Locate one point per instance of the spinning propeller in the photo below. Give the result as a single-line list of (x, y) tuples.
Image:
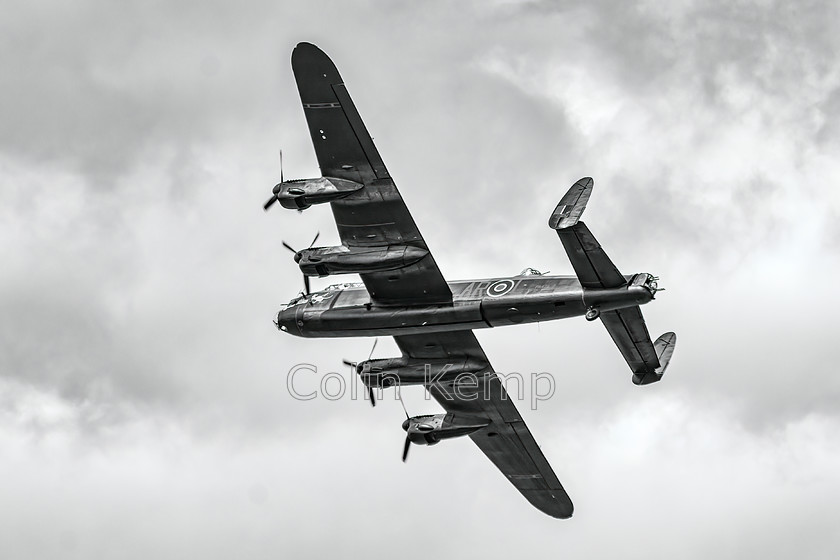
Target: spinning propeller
[(297, 258), (353, 365)]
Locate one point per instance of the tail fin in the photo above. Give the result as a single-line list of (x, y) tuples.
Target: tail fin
[(571, 206)]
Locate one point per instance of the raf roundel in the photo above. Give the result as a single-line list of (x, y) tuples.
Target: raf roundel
[(499, 288)]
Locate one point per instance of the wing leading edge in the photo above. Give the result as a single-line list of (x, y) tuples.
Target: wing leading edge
[(506, 441), (374, 216)]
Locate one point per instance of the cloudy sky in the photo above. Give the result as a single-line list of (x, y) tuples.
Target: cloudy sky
[(144, 409)]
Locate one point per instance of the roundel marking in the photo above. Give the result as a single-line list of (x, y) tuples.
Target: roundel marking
[(499, 288)]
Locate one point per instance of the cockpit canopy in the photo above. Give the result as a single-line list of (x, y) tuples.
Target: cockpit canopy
[(531, 272), (322, 294), (296, 300)]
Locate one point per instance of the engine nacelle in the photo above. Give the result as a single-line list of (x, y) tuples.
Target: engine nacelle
[(432, 428), (303, 193), (323, 261), (387, 372)]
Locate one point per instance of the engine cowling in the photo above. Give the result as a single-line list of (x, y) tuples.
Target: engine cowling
[(387, 372), (432, 428), (303, 193), (323, 261)]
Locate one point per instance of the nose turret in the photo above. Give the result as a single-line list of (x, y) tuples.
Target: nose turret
[(287, 321)]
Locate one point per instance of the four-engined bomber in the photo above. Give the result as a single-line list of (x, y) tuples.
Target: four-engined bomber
[(403, 293)]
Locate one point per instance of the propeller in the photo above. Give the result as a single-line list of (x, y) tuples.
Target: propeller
[(407, 439), (347, 362), (269, 202), (297, 259), (405, 448), (273, 198)]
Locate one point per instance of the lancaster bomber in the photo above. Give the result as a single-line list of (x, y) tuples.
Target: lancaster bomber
[(403, 293)]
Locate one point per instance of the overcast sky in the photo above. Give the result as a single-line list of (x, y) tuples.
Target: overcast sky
[(144, 410)]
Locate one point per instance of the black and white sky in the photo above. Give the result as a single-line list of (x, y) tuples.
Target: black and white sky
[(144, 409)]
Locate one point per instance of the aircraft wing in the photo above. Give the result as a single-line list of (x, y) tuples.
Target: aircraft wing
[(374, 216), (507, 442)]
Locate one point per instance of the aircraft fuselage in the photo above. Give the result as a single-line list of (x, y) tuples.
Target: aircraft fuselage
[(476, 304)]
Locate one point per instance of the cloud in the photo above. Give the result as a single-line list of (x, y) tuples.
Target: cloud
[(690, 476)]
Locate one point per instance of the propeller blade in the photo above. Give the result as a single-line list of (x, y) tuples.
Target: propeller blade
[(289, 247), (399, 396), (306, 283), (281, 166), (405, 448), (317, 235), (269, 202), (354, 365)]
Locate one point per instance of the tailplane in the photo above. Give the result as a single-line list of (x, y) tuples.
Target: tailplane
[(596, 272), (664, 347), (647, 360), (593, 267)]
